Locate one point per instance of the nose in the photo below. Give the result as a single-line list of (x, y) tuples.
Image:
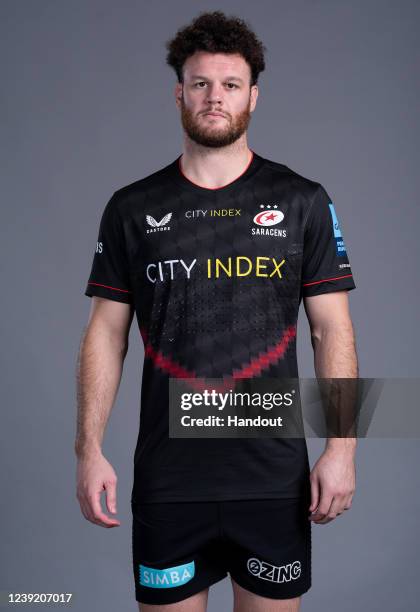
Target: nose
[(214, 94)]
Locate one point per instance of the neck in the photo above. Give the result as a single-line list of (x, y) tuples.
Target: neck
[(213, 168)]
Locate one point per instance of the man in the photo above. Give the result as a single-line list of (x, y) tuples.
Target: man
[(172, 248)]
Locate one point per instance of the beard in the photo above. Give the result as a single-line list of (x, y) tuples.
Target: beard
[(209, 136)]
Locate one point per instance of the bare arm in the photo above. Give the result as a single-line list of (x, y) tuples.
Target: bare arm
[(333, 341), (102, 352)]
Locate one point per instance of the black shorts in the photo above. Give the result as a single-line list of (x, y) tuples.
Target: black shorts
[(181, 548)]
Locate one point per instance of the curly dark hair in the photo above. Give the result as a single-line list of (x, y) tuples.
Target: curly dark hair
[(216, 33)]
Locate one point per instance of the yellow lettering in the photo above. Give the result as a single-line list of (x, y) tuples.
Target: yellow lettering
[(238, 270), (244, 267), (277, 267), (219, 264), (260, 266)]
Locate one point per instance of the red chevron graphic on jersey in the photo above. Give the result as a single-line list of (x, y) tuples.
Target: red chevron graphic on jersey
[(252, 369)]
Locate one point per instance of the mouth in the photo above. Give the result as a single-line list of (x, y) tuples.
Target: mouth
[(210, 114)]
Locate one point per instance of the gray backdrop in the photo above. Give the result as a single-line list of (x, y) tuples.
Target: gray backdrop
[(87, 107)]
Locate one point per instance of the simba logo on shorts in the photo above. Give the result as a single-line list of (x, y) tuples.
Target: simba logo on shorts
[(273, 573), (166, 578)]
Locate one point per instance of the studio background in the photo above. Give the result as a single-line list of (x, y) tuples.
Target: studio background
[(87, 107)]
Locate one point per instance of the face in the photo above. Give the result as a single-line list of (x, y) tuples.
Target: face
[(216, 99)]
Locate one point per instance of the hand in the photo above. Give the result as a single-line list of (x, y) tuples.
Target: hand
[(94, 475), (332, 485)]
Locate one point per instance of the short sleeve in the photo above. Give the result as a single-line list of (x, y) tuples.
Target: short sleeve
[(109, 276), (326, 266)]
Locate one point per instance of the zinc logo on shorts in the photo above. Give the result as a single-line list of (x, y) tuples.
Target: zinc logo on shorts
[(168, 577), (274, 573)]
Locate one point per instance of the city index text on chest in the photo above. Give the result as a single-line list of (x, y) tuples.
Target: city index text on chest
[(239, 266)]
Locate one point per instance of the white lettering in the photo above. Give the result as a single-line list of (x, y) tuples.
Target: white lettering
[(170, 262), (166, 269), (174, 577), (152, 280)]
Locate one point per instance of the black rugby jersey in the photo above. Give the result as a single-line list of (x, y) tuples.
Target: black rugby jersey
[(216, 277)]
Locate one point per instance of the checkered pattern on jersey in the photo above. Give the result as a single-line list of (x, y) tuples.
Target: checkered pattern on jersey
[(219, 326)]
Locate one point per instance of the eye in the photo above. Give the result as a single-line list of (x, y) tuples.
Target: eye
[(199, 83), (233, 85)]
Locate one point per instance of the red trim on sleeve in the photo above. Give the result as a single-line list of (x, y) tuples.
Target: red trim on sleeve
[(108, 287), (327, 279)]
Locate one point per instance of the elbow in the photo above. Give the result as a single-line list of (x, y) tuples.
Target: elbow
[(317, 334), (124, 349), (120, 343), (341, 330)]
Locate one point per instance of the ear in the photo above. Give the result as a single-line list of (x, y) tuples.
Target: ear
[(178, 94), (254, 97)]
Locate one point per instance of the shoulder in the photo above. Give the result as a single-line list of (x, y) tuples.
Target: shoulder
[(131, 194), (295, 182)]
